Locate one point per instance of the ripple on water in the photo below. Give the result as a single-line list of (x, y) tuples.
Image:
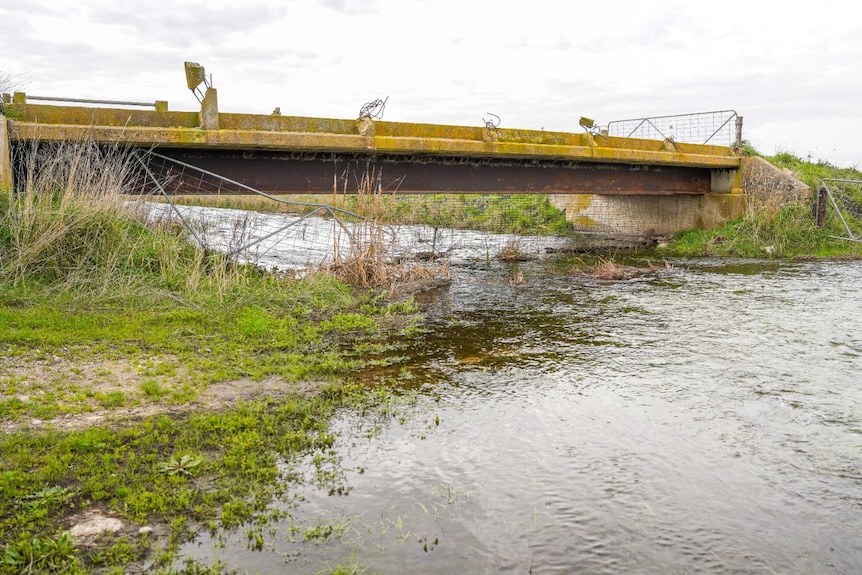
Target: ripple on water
[(705, 421)]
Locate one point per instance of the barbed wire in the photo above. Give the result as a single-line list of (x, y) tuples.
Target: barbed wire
[(493, 123), (373, 110)]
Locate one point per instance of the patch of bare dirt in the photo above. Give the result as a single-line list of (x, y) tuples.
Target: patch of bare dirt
[(79, 392)]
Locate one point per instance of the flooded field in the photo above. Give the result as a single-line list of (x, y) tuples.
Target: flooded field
[(705, 418)]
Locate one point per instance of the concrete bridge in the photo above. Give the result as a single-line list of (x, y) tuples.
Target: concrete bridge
[(607, 185)]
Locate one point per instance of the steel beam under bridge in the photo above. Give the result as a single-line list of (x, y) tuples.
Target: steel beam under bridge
[(303, 173)]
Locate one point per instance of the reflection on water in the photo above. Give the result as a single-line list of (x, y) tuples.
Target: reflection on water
[(706, 419)]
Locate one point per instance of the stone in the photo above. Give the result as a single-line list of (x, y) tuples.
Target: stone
[(95, 524)]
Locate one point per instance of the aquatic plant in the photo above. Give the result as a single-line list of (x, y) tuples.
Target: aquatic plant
[(368, 259)]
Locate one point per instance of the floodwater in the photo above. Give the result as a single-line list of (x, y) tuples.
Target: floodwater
[(700, 419), (292, 242)]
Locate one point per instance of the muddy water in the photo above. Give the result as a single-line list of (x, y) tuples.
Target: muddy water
[(705, 419)]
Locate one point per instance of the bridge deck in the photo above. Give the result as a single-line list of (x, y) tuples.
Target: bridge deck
[(290, 154)]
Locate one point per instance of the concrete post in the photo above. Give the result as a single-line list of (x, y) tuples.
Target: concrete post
[(209, 110), (366, 126), (5, 156)]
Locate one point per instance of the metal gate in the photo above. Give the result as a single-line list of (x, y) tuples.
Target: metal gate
[(720, 128), (839, 206)]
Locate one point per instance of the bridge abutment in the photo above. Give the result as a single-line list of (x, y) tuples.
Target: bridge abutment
[(630, 217), (756, 185)]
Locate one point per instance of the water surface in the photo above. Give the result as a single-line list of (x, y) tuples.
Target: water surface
[(702, 419)]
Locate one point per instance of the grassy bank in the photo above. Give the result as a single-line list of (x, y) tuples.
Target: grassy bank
[(526, 214), (147, 381), (775, 232)]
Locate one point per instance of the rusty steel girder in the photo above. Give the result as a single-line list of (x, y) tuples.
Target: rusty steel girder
[(304, 173)]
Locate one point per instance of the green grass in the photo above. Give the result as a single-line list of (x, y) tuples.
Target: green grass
[(811, 172), (101, 311), (153, 472), (787, 232), (526, 214)]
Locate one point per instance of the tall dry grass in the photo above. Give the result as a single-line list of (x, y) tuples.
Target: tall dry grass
[(368, 259), (69, 228)]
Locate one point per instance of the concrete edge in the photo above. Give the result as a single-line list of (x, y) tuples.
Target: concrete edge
[(313, 142), (6, 180)]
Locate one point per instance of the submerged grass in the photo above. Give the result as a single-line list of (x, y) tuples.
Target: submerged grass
[(220, 470), (102, 311)]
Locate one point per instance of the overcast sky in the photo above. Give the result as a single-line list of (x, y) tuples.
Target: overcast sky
[(793, 71)]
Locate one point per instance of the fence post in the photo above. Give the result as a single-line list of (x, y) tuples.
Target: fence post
[(5, 155), (738, 143), (820, 205)]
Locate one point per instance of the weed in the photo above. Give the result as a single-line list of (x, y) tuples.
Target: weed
[(351, 568), (41, 555), (111, 399), (153, 389), (182, 466)]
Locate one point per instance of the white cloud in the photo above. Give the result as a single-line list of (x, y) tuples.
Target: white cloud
[(537, 65)]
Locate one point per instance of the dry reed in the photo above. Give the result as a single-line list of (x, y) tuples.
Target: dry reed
[(368, 260)]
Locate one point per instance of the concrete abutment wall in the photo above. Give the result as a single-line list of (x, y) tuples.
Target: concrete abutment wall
[(756, 185)]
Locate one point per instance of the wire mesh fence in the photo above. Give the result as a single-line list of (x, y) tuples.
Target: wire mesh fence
[(719, 128), (839, 208), (298, 231)]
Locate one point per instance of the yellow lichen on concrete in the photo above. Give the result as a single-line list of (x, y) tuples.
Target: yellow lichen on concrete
[(5, 156), (717, 209), (290, 133), (575, 206), (117, 117)]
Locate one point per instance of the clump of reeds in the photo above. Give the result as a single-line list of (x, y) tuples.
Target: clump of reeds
[(368, 259), (513, 252), (611, 270), (517, 277)]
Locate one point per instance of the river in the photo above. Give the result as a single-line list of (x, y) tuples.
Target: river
[(705, 418)]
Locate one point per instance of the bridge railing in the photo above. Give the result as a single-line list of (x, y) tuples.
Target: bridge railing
[(719, 128), (22, 98)]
